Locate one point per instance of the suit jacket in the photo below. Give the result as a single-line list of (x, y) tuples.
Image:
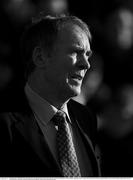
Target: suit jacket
[(23, 150)]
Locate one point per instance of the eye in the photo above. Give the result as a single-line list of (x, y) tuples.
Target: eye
[(73, 52), (77, 52), (89, 54)]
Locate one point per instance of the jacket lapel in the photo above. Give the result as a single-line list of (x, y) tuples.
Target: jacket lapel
[(77, 118), (29, 129)]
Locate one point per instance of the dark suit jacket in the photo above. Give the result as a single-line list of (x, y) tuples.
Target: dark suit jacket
[(23, 150)]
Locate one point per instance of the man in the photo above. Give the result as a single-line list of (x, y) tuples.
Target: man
[(56, 51)]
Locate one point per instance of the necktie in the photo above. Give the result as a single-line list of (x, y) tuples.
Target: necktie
[(65, 146)]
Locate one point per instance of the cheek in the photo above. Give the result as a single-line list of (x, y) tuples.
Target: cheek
[(67, 64), (72, 58), (63, 66)]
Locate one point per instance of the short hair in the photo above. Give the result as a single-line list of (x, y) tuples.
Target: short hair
[(43, 31)]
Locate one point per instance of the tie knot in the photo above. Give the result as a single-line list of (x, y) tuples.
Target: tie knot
[(61, 113), (60, 117)]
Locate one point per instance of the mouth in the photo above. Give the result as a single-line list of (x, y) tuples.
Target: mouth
[(77, 77)]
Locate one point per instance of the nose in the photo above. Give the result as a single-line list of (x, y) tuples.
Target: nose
[(84, 63)]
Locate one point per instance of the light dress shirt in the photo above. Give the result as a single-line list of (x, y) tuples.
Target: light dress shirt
[(44, 112)]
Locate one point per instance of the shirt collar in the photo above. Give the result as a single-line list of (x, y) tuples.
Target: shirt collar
[(42, 108)]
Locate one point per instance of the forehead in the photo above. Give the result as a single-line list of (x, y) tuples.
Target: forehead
[(73, 35)]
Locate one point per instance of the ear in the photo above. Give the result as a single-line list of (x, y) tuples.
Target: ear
[(39, 57)]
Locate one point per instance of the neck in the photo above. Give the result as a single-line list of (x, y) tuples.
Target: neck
[(48, 93)]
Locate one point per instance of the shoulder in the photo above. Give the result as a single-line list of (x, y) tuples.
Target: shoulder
[(86, 118), (5, 129), (5, 119), (7, 123), (81, 109)]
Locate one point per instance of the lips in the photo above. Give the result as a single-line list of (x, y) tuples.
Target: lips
[(77, 76)]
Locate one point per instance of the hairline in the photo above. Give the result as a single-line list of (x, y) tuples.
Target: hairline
[(58, 24), (64, 23)]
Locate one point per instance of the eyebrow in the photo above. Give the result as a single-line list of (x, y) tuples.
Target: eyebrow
[(80, 49)]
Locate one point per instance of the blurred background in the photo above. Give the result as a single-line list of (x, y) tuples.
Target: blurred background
[(107, 87)]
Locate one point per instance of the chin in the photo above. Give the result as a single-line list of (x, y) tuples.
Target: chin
[(71, 90), (75, 91)]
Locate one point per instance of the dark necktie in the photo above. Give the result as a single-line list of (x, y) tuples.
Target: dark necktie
[(66, 151)]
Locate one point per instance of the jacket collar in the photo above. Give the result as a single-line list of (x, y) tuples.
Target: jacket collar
[(29, 129)]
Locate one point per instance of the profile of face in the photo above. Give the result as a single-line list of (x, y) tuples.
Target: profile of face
[(68, 64)]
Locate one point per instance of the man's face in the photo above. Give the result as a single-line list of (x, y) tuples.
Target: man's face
[(69, 62)]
